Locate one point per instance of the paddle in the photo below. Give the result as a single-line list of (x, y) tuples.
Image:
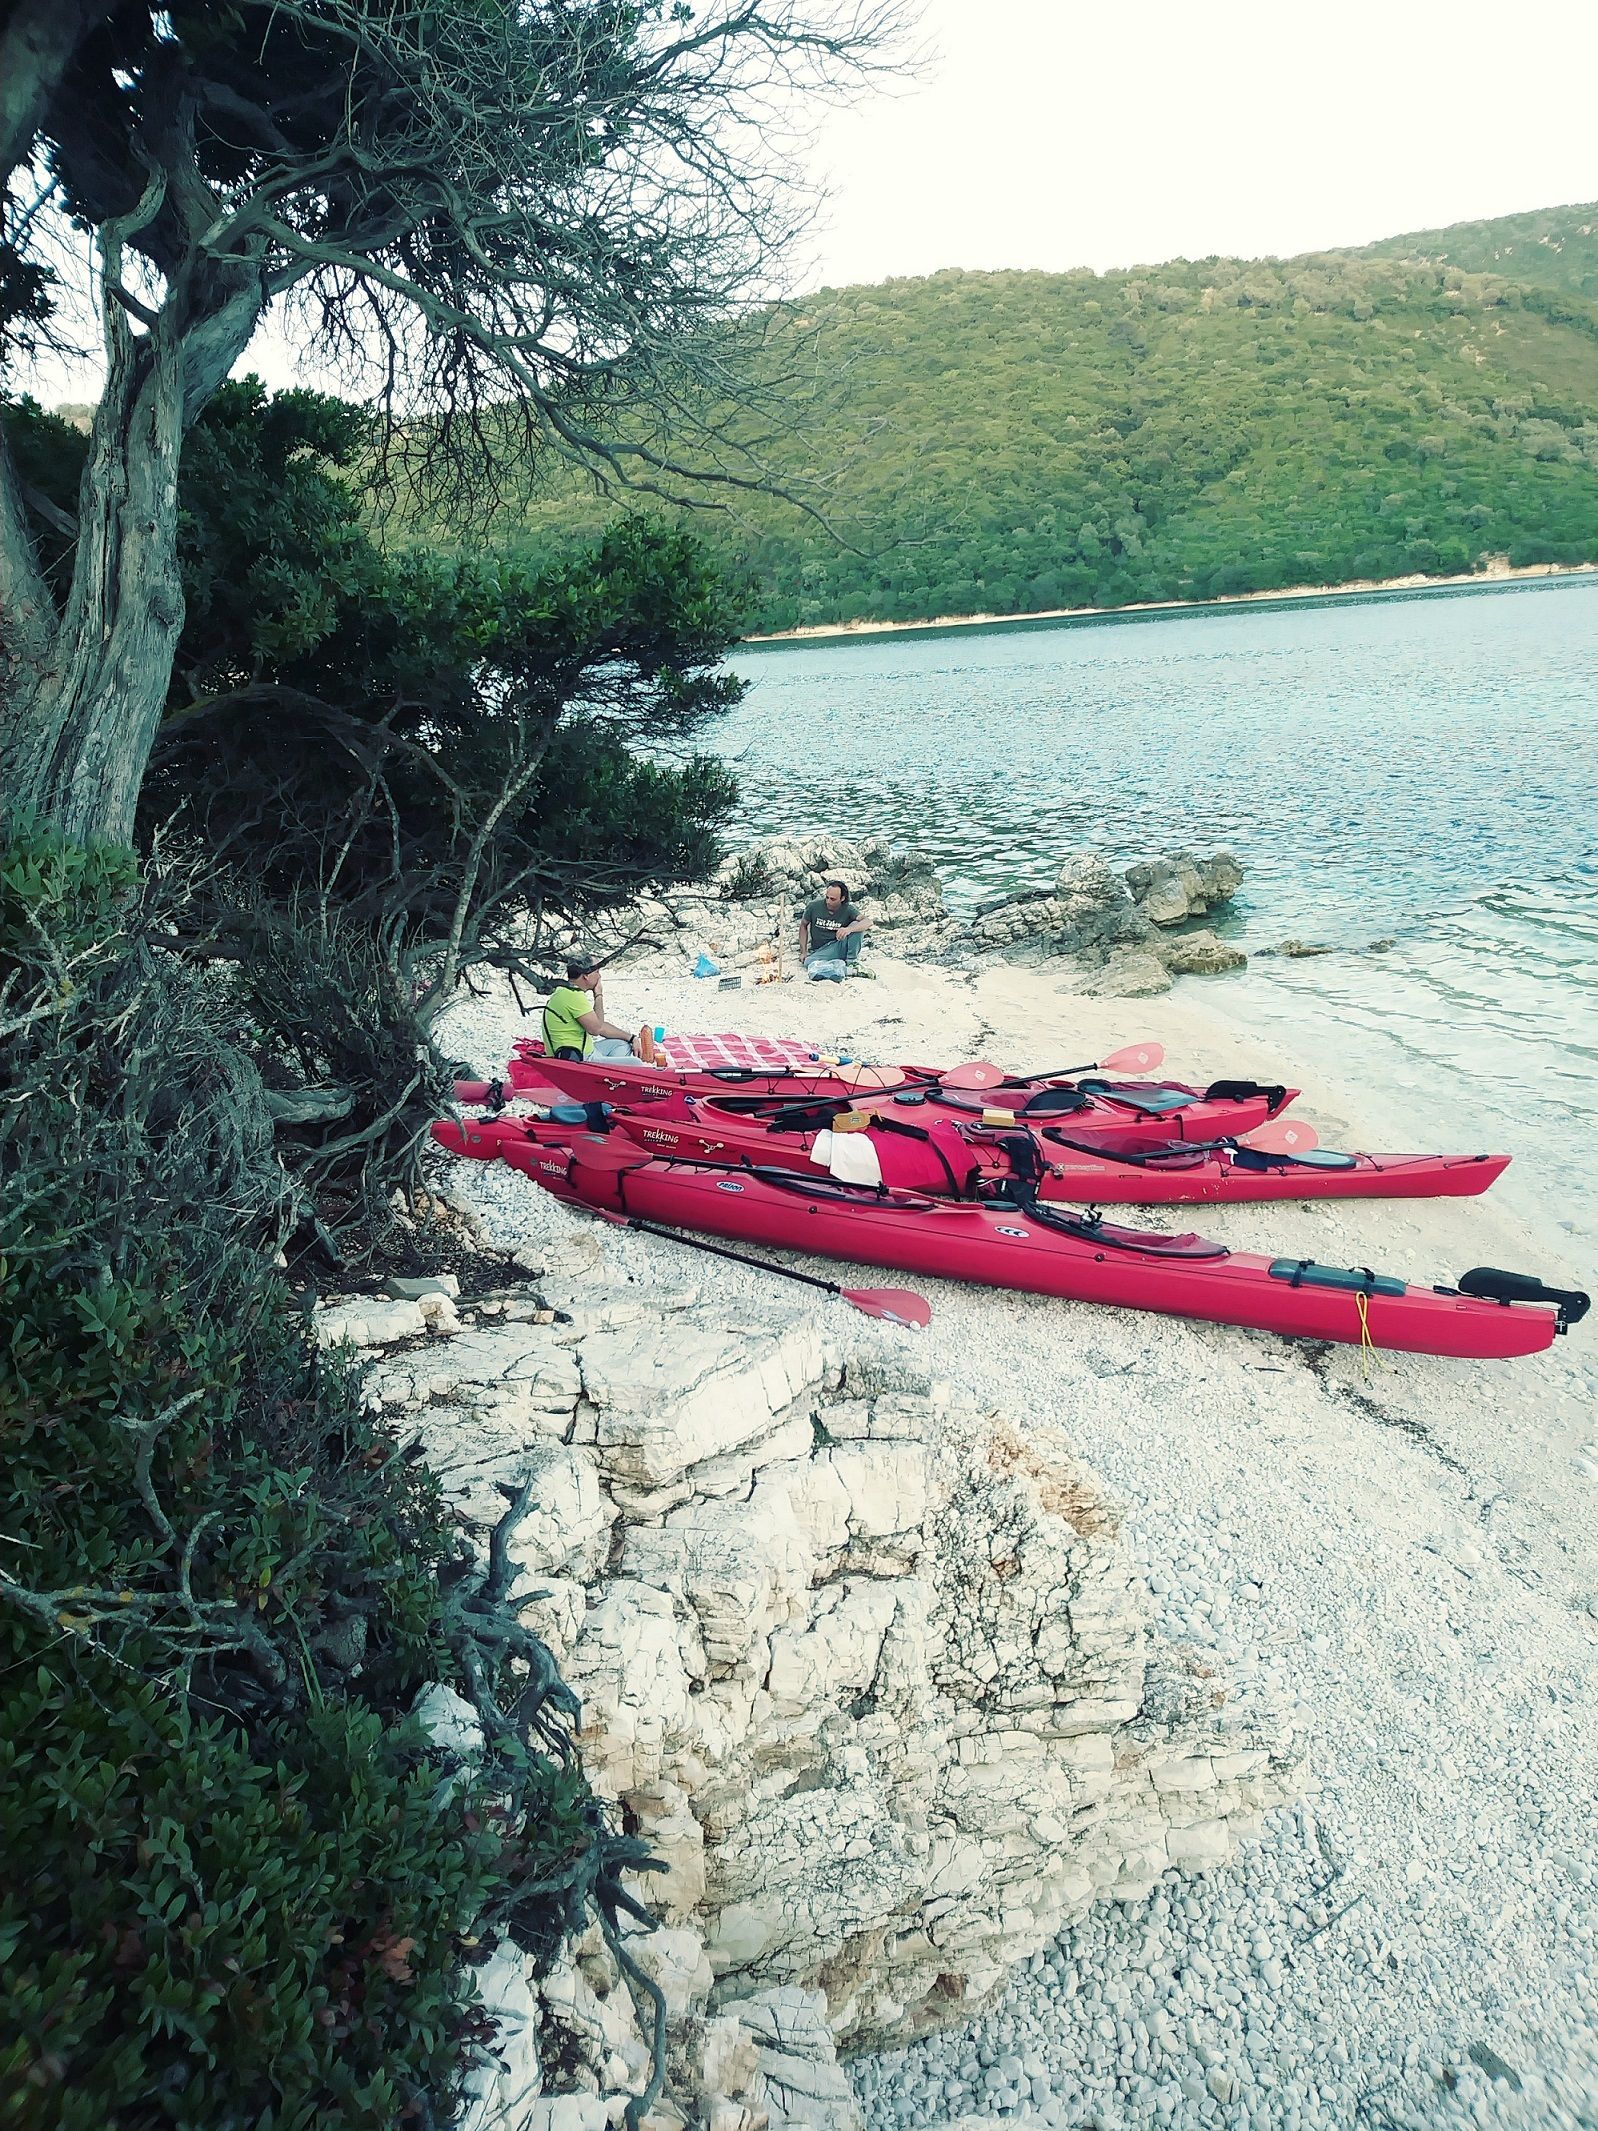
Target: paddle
[(1282, 1136), (1135, 1058), (895, 1305)]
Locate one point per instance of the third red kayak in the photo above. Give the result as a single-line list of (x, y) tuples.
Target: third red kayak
[(1486, 1315)]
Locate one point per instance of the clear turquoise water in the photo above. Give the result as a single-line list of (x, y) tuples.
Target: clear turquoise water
[(1420, 767)]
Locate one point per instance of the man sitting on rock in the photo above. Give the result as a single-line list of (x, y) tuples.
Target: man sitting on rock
[(574, 1016), (830, 931)]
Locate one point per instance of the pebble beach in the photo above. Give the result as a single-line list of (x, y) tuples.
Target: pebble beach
[(1394, 1554)]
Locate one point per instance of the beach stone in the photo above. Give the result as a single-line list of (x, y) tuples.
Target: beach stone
[(368, 1321), (1131, 973), (1199, 954)]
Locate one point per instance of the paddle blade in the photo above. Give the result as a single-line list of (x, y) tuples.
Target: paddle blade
[(1282, 1135), (895, 1305), (1136, 1058), (864, 1076), (976, 1075)]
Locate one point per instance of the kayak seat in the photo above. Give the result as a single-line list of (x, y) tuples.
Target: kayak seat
[(1151, 1243), (1054, 1102), (1146, 1242), (1147, 1101), (1175, 1154)]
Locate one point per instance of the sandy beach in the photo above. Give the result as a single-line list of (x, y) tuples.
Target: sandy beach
[(1497, 571), (1397, 1552)]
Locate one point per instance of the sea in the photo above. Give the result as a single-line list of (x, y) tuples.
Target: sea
[(1410, 779)]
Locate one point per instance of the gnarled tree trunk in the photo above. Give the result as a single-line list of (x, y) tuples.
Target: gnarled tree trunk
[(81, 693)]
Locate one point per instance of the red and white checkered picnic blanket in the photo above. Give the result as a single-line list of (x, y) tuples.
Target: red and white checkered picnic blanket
[(706, 1052)]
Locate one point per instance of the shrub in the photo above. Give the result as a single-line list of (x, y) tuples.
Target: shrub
[(238, 1890)]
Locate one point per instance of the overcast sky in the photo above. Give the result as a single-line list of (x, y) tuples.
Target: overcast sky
[(1054, 133)]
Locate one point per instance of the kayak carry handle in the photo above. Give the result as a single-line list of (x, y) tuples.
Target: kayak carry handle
[(1487, 1284)]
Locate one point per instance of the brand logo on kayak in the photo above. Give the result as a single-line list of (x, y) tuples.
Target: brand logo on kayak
[(663, 1139), (729, 1187), (656, 1087), (1024, 1233)]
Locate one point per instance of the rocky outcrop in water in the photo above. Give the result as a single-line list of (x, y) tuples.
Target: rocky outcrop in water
[(1116, 923), (866, 1669), (1169, 890)]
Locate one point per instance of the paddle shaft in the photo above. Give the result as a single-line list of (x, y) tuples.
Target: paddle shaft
[(738, 1257)]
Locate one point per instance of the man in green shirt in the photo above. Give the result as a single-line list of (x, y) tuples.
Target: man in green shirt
[(574, 1017), (830, 931)]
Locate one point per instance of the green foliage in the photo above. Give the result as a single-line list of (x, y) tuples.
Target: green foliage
[(236, 1890), (1550, 248), (1022, 441), (58, 897)]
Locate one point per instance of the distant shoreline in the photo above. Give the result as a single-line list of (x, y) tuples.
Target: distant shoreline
[(1497, 571)]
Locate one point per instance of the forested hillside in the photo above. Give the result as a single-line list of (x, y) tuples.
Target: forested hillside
[(1012, 441), (1551, 248)]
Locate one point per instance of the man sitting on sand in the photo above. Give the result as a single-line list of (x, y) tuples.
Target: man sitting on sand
[(830, 931), (574, 1016)]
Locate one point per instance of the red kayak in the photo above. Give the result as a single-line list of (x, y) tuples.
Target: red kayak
[(1113, 1168), (1226, 1106), (1487, 1315), (1147, 1111)]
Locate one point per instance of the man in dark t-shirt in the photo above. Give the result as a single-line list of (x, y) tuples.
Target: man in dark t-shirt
[(830, 931)]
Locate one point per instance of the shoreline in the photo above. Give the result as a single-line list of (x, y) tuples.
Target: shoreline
[(1497, 572), (1270, 1496)]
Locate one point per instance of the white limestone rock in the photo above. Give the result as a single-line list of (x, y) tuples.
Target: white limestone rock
[(368, 1321), (504, 2083), (797, 2079), (661, 1409), (450, 1721)]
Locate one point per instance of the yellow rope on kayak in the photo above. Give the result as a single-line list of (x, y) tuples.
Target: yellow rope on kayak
[(1367, 1345)]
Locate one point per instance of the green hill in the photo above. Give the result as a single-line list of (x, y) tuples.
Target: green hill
[(1011, 441), (1551, 248)]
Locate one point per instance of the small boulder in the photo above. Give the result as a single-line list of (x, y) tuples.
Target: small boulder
[(1199, 954), (1130, 973), (1182, 885), (1095, 908)]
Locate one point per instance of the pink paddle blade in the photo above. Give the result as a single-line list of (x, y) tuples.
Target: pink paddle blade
[(978, 1074), (864, 1076), (896, 1305), (1136, 1058), (1282, 1135)]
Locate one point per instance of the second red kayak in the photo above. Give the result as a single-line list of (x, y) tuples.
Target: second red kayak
[(950, 1159)]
